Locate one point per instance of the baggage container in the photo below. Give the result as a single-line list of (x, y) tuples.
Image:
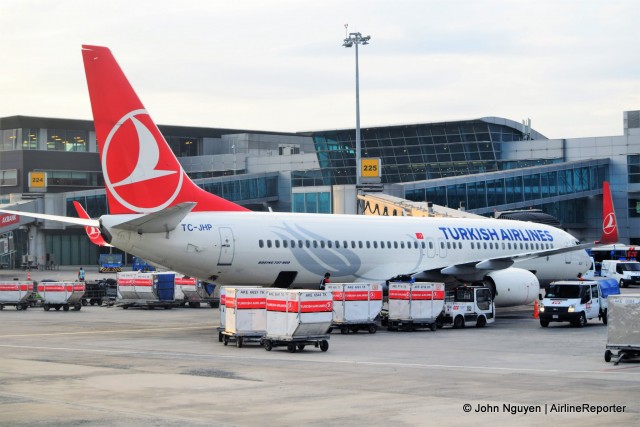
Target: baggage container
[(246, 315), (298, 317), (63, 295), (194, 291), (223, 312), (623, 327), (146, 289), (414, 305), (16, 293), (355, 306)]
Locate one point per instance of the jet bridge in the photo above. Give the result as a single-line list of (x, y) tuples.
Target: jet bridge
[(387, 205)]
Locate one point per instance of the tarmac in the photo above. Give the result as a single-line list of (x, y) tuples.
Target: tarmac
[(103, 366)]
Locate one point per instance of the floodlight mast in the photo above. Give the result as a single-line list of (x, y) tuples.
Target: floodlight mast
[(357, 39)]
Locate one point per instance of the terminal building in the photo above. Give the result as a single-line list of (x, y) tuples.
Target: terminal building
[(480, 166)]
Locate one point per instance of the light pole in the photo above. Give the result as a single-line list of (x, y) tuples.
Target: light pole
[(357, 39)]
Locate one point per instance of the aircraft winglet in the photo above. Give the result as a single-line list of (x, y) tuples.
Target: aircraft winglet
[(92, 232)]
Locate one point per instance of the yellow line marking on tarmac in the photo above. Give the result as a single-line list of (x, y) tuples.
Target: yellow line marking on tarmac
[(92, 332)]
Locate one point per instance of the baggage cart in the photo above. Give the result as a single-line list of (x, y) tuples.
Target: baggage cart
[(297, 318), (355, 306), (246, 315), (623, 328), (195, 291), (414, 305), (63, 295), (18, 294), (95, 292)]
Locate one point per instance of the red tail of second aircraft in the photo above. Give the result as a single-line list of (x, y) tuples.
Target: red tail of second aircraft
[(609, 221), (141, 173)]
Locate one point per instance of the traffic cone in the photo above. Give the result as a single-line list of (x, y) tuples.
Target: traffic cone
[(29, 275), (536, 310)]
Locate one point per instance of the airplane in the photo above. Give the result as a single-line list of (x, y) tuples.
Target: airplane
[(159, 214)]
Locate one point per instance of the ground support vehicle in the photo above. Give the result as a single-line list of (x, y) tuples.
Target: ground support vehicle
[(297, 318), (576, 301), (623, 328), (414, 306), (63, 295), (18, 294), (110, 263), (245, 315), (625, 272), (468, 304), (140, 264), (355, 306), (151, 290)]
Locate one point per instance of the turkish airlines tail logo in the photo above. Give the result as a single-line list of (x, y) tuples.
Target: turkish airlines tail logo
[(609, 222), (141, 173), (92, 232)]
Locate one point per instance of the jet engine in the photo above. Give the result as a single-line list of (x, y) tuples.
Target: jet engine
[(513, 286)]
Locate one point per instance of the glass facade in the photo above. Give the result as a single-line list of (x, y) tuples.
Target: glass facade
[(67, 140), (633, 168), (418, 152), (312, 202), (524, 188)]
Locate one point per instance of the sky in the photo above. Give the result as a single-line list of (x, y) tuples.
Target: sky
[(571, 66)]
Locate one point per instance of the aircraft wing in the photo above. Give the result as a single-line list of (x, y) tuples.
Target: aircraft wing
[(68, 220), (503, 262)]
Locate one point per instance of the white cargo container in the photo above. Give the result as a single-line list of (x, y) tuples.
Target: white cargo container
[(146, 289), (355, 306), (15, 293), (623, 327), (61, 295), (223, 311), (297, 317), (414, 305), (246, 314)]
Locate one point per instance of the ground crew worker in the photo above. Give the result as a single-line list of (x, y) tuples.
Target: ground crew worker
[(81, 274), (325, 280)]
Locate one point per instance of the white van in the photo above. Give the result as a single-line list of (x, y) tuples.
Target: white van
[(625, 272)]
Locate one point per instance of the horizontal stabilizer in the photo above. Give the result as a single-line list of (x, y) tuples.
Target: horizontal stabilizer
[(158, 222)]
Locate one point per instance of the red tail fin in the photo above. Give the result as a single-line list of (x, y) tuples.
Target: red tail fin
[(140, 171), (92, 232), (609, 221)]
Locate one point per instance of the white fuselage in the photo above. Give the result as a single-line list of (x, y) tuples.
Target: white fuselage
[(263, 249)]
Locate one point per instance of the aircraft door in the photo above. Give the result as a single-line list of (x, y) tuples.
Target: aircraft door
[(226, 246), (442, 248), (431, 248)]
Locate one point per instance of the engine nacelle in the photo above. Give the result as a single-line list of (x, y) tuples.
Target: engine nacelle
[(513, 286)]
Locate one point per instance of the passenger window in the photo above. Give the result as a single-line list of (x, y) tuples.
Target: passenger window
[(430, 245), (448, 245), (423, 245), (353, 244), (337, 244), (360, 244), (329, 243), (503, 245), (485, 245), (395, 245), (268, 243), (441, 245), (401, 245), (315, 243), (293, 244), (261, 243), (277, 243), (375, 244), (300, 244), (388, 244), (308, 243), (382, 245), (284, 243), (368, 244)]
